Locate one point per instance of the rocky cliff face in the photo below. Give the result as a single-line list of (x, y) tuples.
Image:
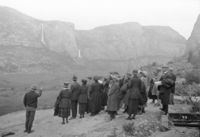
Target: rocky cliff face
[(130, 41), (26, 42), (19, 29), (193, 43)]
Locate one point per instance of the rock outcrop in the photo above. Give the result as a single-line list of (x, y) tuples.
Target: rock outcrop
[(193, 43)]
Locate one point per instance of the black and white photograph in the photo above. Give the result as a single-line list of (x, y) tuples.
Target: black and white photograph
[(99, 68)]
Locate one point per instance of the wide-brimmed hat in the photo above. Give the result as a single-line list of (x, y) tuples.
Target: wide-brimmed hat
[(95, 78), (116, 76), (89, 78), (144, 73), (66, 84), (33, 87), (165, 66), (158, 68), (135, 71), (128, 75), (74, 78), (84, 81)]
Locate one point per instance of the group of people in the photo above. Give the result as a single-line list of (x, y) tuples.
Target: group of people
[(108, 93)]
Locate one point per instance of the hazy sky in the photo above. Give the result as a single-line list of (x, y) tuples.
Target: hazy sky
[(87, 14)]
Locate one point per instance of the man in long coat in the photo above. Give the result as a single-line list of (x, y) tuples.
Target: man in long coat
[(113, 99), (135, 85), (165, 87), (75, 88)]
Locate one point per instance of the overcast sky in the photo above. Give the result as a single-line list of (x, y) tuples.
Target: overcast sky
[(87, 14)]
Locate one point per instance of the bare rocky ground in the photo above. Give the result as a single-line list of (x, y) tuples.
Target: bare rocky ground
[(46, 125)]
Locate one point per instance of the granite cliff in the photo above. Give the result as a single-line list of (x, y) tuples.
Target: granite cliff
[(193, 43), (42, 46)]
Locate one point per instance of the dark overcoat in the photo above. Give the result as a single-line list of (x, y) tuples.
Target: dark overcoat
[(143, 99), (104, 95), (75, 89), (64, 99), (135, 86), (95, 100), (123, 90), (166, 88), (83, 97), (113, 97), (174, 78)]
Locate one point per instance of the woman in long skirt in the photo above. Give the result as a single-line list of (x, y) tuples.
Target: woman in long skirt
[(83, 98), (135, 85), (63, 103), (95, 100)]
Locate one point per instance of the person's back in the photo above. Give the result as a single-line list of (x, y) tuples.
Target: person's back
[(75, 87), (30, 102), (96, 87), (65, 96), (31, 99), (135, 87)]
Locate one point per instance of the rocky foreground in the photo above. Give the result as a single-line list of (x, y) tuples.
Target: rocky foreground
[(46, 125)]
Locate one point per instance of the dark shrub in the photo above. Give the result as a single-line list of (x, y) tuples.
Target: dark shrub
[(192, 77), (129, 128)]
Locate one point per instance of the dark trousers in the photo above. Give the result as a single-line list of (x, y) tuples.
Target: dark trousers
[(30, 115), (74, 108), (165, 108), (133, 106)]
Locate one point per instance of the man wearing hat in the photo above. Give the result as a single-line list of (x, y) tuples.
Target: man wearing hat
[(75, 87), (173, 88), (166, 84), (30, 102)]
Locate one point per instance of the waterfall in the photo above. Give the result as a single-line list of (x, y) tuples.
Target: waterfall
[(42, 38), (79, 53)]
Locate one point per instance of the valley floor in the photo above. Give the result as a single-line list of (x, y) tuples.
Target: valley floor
[(46, 125)]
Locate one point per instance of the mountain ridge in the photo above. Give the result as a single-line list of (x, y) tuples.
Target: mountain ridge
[(126, 41)]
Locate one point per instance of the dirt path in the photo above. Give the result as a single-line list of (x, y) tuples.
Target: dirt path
[(46, 125)]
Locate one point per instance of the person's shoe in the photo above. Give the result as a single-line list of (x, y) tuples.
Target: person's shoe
[(72, 118), (161, 109), (139, 113), (30, 131), (25, 130), (133, 117), (67, 121), (128, 118), (92, 114), (63, 122), (143, 111)]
